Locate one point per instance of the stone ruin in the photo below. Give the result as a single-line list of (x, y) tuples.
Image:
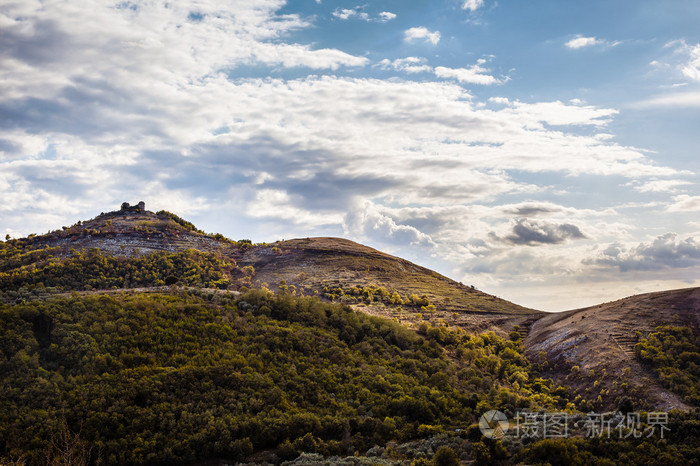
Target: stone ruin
[(140, 207)]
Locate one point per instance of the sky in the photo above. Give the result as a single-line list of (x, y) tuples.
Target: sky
[(542, 151)]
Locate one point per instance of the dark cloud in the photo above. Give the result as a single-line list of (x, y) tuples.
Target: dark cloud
[(33, 115), (47, 43), (59, 180), (530, 233), (329, 190), (313, 179), (531, 210), (75, 115), (8, 147), (664, 252)]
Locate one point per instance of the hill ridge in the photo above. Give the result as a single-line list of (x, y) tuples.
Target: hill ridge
[(333, 268)]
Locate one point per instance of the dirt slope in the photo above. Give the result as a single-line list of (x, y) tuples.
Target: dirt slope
[(315, 264), (600, 341)]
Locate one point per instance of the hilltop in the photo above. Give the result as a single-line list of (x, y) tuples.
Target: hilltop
[(335, 269), (130, 231)]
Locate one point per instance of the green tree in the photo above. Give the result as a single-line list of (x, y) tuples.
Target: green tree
[(445, 456)]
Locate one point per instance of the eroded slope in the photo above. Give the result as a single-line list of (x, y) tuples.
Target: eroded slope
[(583, 346)]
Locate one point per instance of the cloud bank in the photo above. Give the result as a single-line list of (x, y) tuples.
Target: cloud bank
[(165, 103)]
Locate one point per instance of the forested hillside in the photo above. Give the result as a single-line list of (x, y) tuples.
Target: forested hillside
[(185, 377), (138, 339), (177, 378)]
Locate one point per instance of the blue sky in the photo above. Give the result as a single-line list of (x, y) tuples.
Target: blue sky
[(543, 151)]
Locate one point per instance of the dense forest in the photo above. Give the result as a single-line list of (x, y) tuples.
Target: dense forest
[(38, 269), (162, 379), (674, 354), (184, 377)]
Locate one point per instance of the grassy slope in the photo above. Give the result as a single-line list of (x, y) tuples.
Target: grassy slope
[(340, 262), (315, 264)]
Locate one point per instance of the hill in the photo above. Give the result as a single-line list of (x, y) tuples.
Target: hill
[(600, 342), (133, 248), (130, 231), (136, 338), (332, 268), (380, 284)]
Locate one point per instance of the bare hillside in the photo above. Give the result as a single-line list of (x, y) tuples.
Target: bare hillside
[(599, 341), (326, 264)]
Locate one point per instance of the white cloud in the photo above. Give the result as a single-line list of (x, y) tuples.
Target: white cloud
[(655, 186), (690, 99), (358, 13), (685, 203), (407, 65), (422, 33), (294, 56), (691, 69), (385, 16), (559, 113), (581, 41), (500, 100), (271, 203), (366, 221), (345, 13), (665, 251), (475, 74), (472, 5), (154, 36), (682, 61), (682, 64)]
